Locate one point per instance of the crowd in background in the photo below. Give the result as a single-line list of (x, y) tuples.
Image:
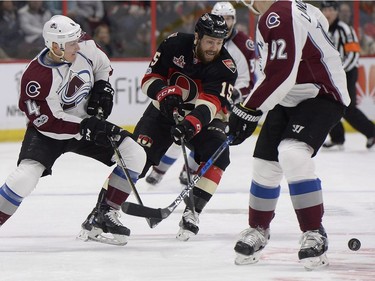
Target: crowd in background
[(123, 28)]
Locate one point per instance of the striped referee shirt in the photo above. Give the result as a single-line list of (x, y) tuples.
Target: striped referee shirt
[(345, 40)]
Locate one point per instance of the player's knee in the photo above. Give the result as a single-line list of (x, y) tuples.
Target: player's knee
[(295, 160), (208, 149), (267, 173), (25, 177), (133, 154)]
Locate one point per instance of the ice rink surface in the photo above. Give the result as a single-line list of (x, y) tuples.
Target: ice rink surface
[(38, 243)]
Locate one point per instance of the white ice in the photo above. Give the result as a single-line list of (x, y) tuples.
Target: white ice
[(38, 243)]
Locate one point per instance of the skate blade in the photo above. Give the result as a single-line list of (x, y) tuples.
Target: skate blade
[(184, 235), (85, 234), (96, 235), (314, 263), (242, 259)]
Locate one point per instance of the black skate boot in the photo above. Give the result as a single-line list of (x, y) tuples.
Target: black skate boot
[(188, 225), (104, 220), (252, 241), (314, 245), (154, 177), (334, 145)]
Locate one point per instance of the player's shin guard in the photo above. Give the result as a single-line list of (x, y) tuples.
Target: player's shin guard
[(9, 203)]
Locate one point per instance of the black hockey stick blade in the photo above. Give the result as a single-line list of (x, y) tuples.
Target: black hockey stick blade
[(158, 214), (141, 210)]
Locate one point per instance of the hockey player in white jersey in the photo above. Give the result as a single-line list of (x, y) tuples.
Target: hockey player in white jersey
[(303, 90), (242, 50), (66, 97)]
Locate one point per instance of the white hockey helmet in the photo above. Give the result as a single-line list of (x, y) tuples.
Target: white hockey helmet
[(61, 29), (224, 9)]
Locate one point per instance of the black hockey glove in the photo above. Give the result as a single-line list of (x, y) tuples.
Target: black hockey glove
[(183, 130), (101, 96), (243, 122), (98, 131), (170, 98)]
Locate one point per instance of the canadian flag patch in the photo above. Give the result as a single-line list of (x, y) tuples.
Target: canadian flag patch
[(230, 65)]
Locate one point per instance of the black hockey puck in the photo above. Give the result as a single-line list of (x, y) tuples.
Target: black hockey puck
[(354, 244)]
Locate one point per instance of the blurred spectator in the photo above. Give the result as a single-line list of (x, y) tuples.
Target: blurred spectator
[(32, 17), (102, 37), (89, 14), (141, 45), (369, 28), (10, 32), (345, 13), (56, 7), (367, 34), (180, 16), (365, 10), (124, 19)]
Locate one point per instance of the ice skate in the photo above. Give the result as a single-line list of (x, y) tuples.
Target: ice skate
[(188, 225), (334, 145), (154, 177), (252, 241), (103, 225), (370, 142), (183, 176), (314, 245)]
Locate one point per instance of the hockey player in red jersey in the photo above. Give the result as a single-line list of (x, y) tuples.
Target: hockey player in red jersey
[(194, 75), (303, 89), (242, 50), (60, 89)]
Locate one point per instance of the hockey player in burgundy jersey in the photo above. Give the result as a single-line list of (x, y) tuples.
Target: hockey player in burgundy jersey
[(60, 89), (242, 50), (303, 89)]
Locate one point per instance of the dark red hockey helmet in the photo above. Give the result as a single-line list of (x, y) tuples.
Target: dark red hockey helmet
[(211, 25)]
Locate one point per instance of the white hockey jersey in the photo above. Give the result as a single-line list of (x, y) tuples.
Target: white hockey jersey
[(298, 60), (54, 97)]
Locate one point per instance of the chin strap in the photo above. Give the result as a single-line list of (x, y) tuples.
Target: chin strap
[(61, 57)]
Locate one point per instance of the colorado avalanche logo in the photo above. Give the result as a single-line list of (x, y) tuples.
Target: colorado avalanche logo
[(75, 90), (250, 44), (32, 89), (272, 20)]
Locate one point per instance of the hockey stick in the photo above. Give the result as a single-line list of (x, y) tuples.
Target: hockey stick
[(126, 172), (162, 213), (189, 200)]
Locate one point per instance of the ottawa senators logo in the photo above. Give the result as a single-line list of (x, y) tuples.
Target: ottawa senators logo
[(145, 140)]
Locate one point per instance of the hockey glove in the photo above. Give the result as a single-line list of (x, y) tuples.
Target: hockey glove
[(101, 96), (187, 129), (243, 122), (170, 99), (98, 131)]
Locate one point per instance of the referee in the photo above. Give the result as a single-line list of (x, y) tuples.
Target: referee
[(345, 39)]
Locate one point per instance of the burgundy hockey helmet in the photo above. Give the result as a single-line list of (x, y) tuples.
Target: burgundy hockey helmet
[(211, 25)]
